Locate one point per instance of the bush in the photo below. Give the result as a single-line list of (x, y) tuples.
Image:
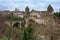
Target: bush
[(10, 17), (57, 14), (28, 33)]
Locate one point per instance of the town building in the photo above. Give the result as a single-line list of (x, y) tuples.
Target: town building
[(37, 16)]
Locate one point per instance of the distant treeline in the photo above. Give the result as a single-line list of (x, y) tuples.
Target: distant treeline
[(57, 14)]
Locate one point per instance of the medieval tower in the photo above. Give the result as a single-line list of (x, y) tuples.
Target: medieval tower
[(50, 9), (27, 13)]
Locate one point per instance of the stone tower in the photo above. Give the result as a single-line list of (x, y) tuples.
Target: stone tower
[(50, 9), (27, 13), (16, 9)]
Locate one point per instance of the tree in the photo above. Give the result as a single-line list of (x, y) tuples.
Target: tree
[(25, 35), (57, 14), (11, 17), (28, 33)]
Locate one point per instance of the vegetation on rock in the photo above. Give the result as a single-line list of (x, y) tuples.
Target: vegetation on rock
[(10, 17), (28, 33), (57, 14)]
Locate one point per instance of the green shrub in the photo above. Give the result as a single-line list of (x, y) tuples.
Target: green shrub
[(28, 33)]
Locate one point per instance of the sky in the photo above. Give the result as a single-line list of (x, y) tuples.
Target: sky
[(40, 5)]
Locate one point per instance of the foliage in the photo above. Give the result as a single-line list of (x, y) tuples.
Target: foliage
[(29, 30), (57, 14), (28, 33), (25, 35), (4, 38), (13, 17)]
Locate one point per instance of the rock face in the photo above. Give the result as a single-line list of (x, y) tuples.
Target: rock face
[(47, 30), (1, 25), (44, 27), (43, 22)]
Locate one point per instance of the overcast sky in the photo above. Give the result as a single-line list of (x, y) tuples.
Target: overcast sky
[(32, 4)]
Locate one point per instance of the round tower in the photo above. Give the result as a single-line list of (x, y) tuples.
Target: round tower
[(50, 9)]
